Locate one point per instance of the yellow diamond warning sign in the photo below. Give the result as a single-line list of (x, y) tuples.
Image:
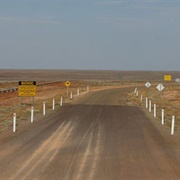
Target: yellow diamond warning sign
[(67, 83)]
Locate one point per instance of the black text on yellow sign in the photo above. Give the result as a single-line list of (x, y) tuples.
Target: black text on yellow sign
[(27, 90), (27, 82), (167, 77)]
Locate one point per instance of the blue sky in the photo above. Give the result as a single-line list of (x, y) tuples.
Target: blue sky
[(84, 34)]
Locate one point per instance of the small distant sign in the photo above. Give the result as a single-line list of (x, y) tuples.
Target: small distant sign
[(177, 80), (27, 88), (148, 84), (67, 83), (27, 82), (167, 77), (160, 87)]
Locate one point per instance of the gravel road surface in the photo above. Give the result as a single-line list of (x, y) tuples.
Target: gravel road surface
[(97, 137)]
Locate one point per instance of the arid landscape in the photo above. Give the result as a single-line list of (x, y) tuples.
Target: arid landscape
[(51, 85), (100, 133), (90, 90), (82, 75)]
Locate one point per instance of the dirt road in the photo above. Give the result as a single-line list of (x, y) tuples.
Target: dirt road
[(98, 137)]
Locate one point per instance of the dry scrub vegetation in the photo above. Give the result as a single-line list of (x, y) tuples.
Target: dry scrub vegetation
[(10, 102), (168, 99)]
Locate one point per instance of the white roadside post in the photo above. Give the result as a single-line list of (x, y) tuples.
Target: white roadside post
[(44, 108), (154, 110), (78, 91), (32, 114), (61, 101), (146, 102), (172, 125), (135, 90), (71, 96), (162, 117), (149, 105), (141, 97), (136, 93), (14, 122), (53, 107)]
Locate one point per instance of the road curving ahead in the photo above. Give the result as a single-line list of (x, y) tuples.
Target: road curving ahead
[(96, 137)]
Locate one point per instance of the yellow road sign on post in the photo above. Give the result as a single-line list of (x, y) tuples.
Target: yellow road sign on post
[(167, 78), (27, 88), (67, 83)]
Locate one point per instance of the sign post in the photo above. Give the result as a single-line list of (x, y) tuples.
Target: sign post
[(27, 88), (67, 84), (148, 85), (160, 87), (20, 98)]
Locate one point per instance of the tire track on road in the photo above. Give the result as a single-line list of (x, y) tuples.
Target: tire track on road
[(46, 151), (96, 153), (89, 152)]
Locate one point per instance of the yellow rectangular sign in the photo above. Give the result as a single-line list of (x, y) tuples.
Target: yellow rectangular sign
[(167, 78), (27, 88)]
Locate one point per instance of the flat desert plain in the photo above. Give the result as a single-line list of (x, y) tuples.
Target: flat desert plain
[(51, 85)]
